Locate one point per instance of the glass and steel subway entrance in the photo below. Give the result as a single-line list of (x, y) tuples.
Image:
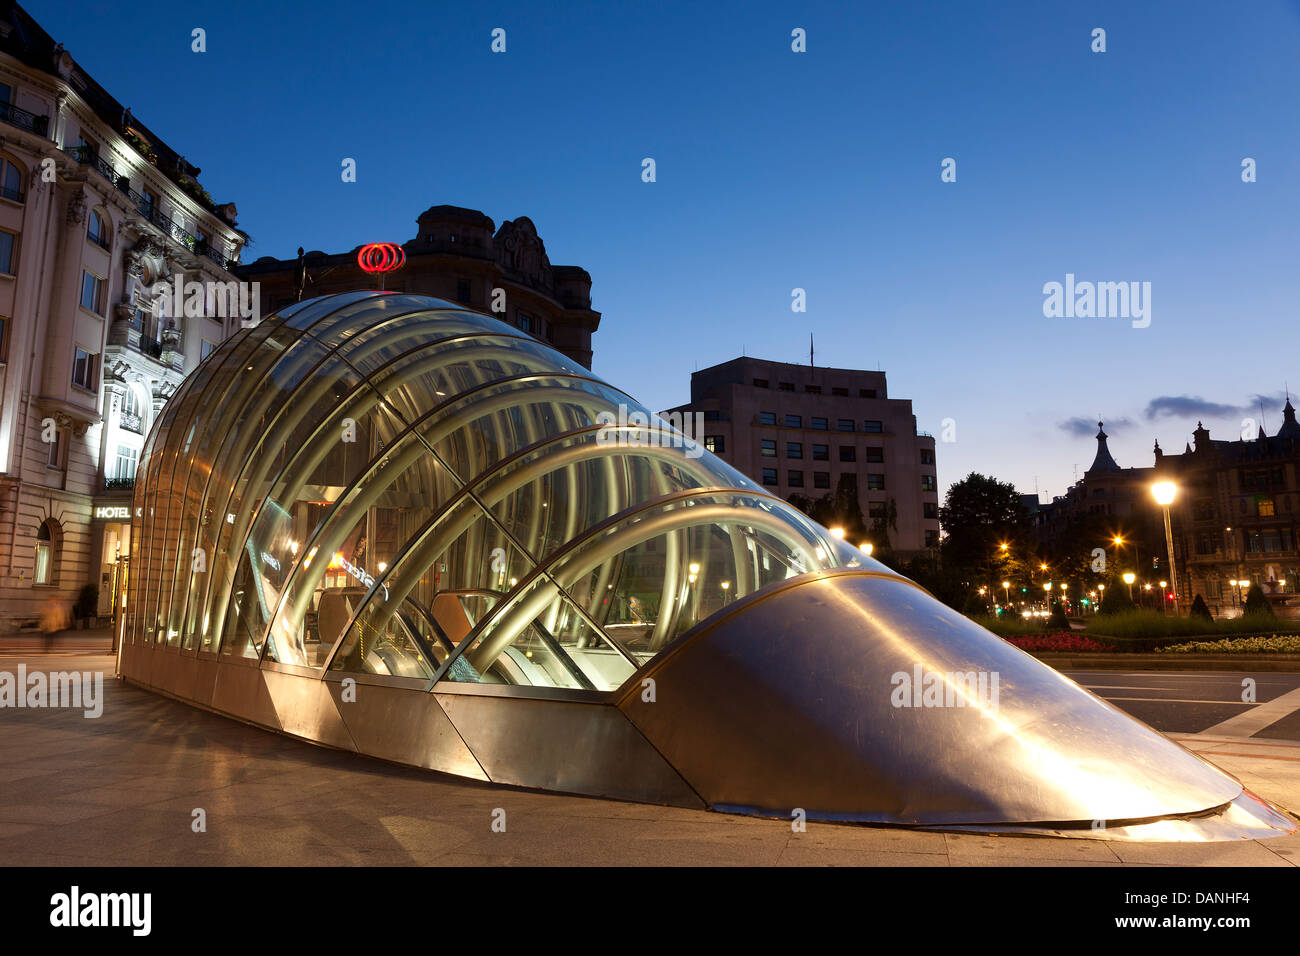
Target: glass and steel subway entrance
[(385, 523)]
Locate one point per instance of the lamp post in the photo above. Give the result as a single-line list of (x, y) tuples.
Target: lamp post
[(1164, 493), (1129, 578), (1006, 589)]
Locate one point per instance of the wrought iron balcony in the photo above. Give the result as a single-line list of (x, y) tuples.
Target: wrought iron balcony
[(40, 125), (131, 423), (150, 347), (86, 156), (119, 484)]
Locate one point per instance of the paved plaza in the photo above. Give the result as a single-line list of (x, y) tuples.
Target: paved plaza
[(123, 788)]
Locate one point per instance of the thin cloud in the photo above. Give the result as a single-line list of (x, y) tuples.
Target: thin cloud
[(1081, 427), (1186, 406)]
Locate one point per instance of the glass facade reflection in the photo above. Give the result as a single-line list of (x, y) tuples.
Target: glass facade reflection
[(388, 484)]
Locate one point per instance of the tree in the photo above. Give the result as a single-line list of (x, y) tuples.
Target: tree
[(980, 514), (1257, 604), (1199, 609), (1116, 600), (839, 510)]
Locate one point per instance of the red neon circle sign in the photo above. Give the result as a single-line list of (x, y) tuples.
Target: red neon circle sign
[(381, 257)]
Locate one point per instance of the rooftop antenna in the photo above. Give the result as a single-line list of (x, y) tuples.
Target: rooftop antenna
[(1263, 425), (810, 349)]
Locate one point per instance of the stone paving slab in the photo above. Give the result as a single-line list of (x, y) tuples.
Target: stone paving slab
[(122, 790)]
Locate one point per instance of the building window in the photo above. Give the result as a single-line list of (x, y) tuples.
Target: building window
[(462, 290), (1205, 542), (4, 339), (11, 181), (1267, 540), (1264, 506), (819, 424), (793, 449), (97, 230), (7, 242), (844, 424), (85, 371), (769, 476), (55, 457), (760, 383), (206, 348), (848, 453), (127, 459), (821, 479), (840, 391), (794, 421), (525, 323), (875, 482), (866, 393), (92, 287), (715, 444), (927, 456), (1214, 589), (872, 426), (148, 201), (821, 452), (1203, 509), (767, 448), (44, 554), (813, 389), (1261, 479), (930, 510), (927, 483), (876, 509), (786, 386), (931, 539), (795, 479), (875, 453), (131, 417), (767, 418)]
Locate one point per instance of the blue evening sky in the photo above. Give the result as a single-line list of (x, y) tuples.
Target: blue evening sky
[(778, 170)]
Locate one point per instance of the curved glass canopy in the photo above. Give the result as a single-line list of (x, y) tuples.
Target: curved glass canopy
[(389, 484)]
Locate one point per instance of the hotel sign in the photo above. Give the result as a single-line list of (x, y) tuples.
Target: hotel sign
[(112, 512)]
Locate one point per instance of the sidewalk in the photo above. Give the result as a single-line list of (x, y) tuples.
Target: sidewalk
[(92, 640), (123, 789)]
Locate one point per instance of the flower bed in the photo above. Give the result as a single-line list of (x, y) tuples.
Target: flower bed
[(1275, 644), (1061, 641)]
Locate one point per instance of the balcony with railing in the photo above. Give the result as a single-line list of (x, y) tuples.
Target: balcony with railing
[(86, 156), (40, 125), (131, 423), (119, 484)]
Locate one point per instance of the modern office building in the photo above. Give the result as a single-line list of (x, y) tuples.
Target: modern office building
[(390, 525), (95, 211), (459, 255), (797, 429)]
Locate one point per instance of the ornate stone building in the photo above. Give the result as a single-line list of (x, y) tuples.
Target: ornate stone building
[(459, 255), (94, 211)]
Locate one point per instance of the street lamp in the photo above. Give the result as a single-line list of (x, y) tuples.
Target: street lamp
[(837, 533), (1164, 493), (866, 549), (1129, 578), (1006, 587)]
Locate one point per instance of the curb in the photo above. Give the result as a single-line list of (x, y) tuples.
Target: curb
[(1271, 663)]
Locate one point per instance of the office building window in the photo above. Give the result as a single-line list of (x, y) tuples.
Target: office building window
[(715, 444), (11, 181), (793, 449), (930, 510), (7, 241), (821, 452), (840, 391), (795, 479), (931, 539), (819, 424), (927, 483), (85, 371), (760, 383), (769, 476), (875, 453), (875, 482), (794, 421), (525, 323), (844, 424), (866, 393), (767, 448), (848, 453), (927, 456), (785, 386), (821, 479), (813, 389), (872, 426), (767, 418), (92, 287)]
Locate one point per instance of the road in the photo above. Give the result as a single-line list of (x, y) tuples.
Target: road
[(1200, 701)]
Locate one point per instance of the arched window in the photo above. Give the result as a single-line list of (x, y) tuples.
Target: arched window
[(11, 181), (132, 415), (46, 552), (97, 230)]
